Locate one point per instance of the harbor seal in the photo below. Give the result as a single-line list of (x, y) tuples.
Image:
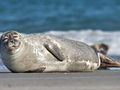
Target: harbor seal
[(46, 53)]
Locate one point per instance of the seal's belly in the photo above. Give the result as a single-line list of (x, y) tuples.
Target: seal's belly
[(83, 66), (80, 66)]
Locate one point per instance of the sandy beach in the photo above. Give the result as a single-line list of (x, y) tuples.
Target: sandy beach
[(97, 80)]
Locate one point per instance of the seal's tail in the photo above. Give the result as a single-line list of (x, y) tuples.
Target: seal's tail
[(102, 49)]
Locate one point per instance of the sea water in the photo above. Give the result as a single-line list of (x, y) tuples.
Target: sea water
[(89, 21), (43, 15)]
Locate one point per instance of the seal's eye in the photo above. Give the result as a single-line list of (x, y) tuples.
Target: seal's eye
[(16, 37), (5, 39)]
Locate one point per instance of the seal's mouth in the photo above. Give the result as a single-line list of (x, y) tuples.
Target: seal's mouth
[(12, 45), (11, 40)]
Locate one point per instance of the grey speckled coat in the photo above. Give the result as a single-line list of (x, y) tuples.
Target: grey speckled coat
[(47, 53)]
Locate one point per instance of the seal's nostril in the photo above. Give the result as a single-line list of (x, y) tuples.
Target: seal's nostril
[(12, 41)]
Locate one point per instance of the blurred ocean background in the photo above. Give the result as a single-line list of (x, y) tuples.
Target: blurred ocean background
[(90, 21)]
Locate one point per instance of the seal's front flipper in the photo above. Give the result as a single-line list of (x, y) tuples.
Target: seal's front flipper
[(108, 62), (54, 50)]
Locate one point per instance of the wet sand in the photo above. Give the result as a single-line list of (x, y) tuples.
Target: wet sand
[(97, 80)]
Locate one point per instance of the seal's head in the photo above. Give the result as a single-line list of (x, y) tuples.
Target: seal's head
[(10, 41)]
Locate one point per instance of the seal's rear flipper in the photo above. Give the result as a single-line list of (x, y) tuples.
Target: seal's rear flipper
[(108, 62), (54, 50), (101, 48)]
